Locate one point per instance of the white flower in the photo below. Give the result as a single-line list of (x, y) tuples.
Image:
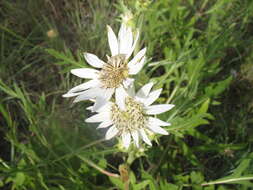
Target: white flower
[(130, 117), (110, 75)]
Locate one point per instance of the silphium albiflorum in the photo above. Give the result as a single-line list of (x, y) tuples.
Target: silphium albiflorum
[(131, 116), (113, 74)]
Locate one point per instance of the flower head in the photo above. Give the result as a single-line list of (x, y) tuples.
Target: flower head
[(130, 117), (112, 74)]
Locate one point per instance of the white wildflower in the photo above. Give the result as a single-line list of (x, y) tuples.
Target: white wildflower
[(109, 76), (130, 117)]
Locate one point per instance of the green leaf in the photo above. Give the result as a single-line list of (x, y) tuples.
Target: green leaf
[(185, 124), (214, 89), (132, 177), (211, 187), (63, 57), (204, 106), (165, 186), (102, 163), (19, 179), (141, 185), (244, 164), (196, 177), (222, 188), (117, 182)]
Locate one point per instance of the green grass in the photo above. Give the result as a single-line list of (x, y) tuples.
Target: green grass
[(199, 51)]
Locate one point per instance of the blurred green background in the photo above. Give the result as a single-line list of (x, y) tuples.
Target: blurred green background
[(199, 52)]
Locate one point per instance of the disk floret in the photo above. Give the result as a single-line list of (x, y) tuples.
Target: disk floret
[(131, 119), (114, 72)]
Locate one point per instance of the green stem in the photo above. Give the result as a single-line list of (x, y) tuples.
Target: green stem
[(227, 181), (130, 158), (172, 94), (99, 169)]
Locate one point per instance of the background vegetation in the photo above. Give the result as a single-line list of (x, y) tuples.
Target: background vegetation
[(201, 54)]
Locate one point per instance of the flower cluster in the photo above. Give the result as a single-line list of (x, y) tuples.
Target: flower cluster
[(127, 114)]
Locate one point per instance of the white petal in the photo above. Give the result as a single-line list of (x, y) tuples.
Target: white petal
[(144, 91), (120, 96), (155, 121), (126, 139), (137, 58), (75, 91), (112, 132), (106, 107), (100, 102), (105, 124), (93, 60), (85, 73), (127, 82), (157, 109), (145, 137), (103, 116), (67, 95), (113, 42), (135, 136), (102, 98), (131, 90), (108, 94), (125, 39), (88, 94), (152, 97), (84, 86), (138, 99), (89, 108), (134, 44), (158, 129), (134, 69)]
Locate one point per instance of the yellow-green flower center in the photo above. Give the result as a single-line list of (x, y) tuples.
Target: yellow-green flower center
[(131, 119), (114, 72)]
